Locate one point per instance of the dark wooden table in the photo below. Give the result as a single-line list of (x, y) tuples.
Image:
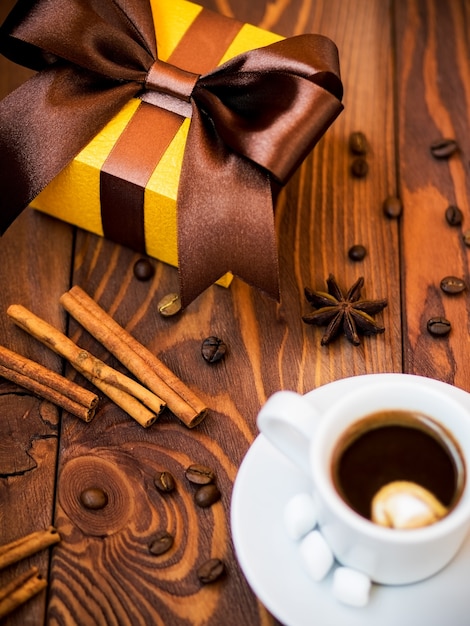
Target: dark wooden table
[(406, 72)]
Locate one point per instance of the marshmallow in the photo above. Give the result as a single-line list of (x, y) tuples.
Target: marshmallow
[(300, 516), (351, 587), (316, 554), (403, 504)]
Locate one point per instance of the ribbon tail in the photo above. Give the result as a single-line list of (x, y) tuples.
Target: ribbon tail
[(225, 216), (44, 124)]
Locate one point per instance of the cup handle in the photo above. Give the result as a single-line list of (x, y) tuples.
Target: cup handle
[(288, 421)]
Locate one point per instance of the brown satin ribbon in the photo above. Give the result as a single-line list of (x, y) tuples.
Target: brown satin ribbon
[(137, 152), (253, 120)]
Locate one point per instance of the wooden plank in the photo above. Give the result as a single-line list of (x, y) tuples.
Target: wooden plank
[(103, 572), (433, 78), (35, 260), (334, 210), (324, 210)]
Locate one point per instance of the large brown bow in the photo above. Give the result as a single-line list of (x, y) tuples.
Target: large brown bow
[(254, 119)]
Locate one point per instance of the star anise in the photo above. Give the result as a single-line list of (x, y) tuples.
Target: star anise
[(343, 312)]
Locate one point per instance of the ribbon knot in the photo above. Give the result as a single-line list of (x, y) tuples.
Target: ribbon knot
[(171, 80), (253, 120)]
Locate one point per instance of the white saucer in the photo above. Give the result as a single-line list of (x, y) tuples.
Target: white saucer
[(271, 563)]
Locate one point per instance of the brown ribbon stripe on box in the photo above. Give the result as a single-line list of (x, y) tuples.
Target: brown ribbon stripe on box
[(253, 120), (138, 150)]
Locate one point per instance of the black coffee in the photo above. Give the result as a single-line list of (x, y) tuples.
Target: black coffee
[(396, 446)]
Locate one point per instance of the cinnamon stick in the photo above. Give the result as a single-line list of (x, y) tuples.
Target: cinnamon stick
[(140, 403), (181, 400), (20, 590), (47, 384), (26, 546)]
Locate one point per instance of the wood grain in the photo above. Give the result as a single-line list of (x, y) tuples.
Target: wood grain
[(35, 265), (433, 77), (397, 63)]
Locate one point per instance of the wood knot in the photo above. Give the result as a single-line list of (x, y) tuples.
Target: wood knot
[(95, 495)]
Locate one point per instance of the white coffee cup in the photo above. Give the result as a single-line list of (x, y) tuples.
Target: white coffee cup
[(308, 437)]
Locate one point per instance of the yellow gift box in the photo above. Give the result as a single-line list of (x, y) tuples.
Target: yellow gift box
[(74, 195)]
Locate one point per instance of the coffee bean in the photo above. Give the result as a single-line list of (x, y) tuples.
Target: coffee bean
[(454, 215), (213, 349), (358, 143), (453, 284), (438, 326), (359, 167), (466, 237), (164, 481), (210, 571), (443, 148), (143, 269), (199, 474), (94, 498), (207, 495), (169, 305), (161, 543), (357, 252), (392, 207)]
